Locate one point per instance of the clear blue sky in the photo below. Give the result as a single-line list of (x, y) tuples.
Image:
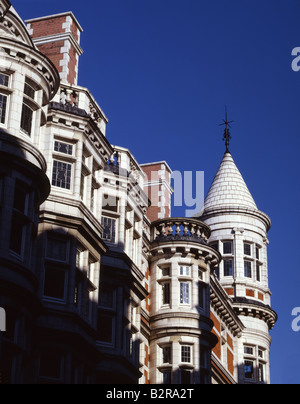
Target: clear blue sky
[(162, 71)]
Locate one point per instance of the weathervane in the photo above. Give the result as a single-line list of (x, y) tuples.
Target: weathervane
[(227, 136)]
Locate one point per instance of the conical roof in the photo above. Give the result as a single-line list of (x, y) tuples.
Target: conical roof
[(229, 188)]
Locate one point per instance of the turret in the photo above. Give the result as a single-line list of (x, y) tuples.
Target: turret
[(239, 231)]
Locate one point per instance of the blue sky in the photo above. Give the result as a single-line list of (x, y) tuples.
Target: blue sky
[(163, 70)]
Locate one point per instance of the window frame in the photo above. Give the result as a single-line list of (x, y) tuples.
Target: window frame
[(184, 293), (71, 177)]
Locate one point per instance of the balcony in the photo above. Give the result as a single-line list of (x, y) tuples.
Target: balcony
[(180, 229)]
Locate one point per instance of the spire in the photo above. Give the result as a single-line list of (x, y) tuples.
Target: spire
[(229, 188), (227, 136)]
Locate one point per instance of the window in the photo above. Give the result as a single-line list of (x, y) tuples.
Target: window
[(166, 272), (186, 354), (186, 377), (167, 355), (227, 247), (257, 253), (55, 283), (29, 91), (166, 293), (57, 249), (248, 350), (248, 269), (106, 298), (26, 119), (184, 293), (4, 80), (167, 377), (228, 267), (247, 249), (61, 176), (202, 295), (64, 148), (17, 235), (261, 373), (258, 271), (19, 220), (249, 369), (3, 107), (109, 232), (215, 245), (105, 328), (185, 271)]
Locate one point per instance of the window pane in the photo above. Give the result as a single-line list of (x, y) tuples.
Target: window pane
[(248, 350), (17, 231), (248, 269), (202, 296), (167, 355), (61, 174), (184, 293), (261, 373), (26, 119), (249, 370), (3, 105), (106, 298), (227, 248), (166, 271), (29, 91), (247, 249), (228, 267), (4, 79), (185, 271), (186, 354), (257, 253), (109, 233), (20, 200), (56, 249), (64, 148), (105, 326), (185, 377), (54, 283), (166, 293), (258, 272), (167, 378)]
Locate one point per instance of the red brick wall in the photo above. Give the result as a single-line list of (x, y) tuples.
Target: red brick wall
[(48, 26)]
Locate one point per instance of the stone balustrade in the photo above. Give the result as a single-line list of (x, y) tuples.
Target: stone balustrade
[(180, 229)]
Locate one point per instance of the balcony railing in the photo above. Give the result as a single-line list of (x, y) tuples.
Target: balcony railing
[(180, 229)]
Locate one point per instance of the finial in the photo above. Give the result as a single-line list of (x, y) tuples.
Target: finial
[(227, 136)]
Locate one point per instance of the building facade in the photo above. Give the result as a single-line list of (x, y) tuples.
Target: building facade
[(99, 284)]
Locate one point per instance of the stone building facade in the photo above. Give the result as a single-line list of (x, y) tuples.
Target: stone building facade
[(98, 282)]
